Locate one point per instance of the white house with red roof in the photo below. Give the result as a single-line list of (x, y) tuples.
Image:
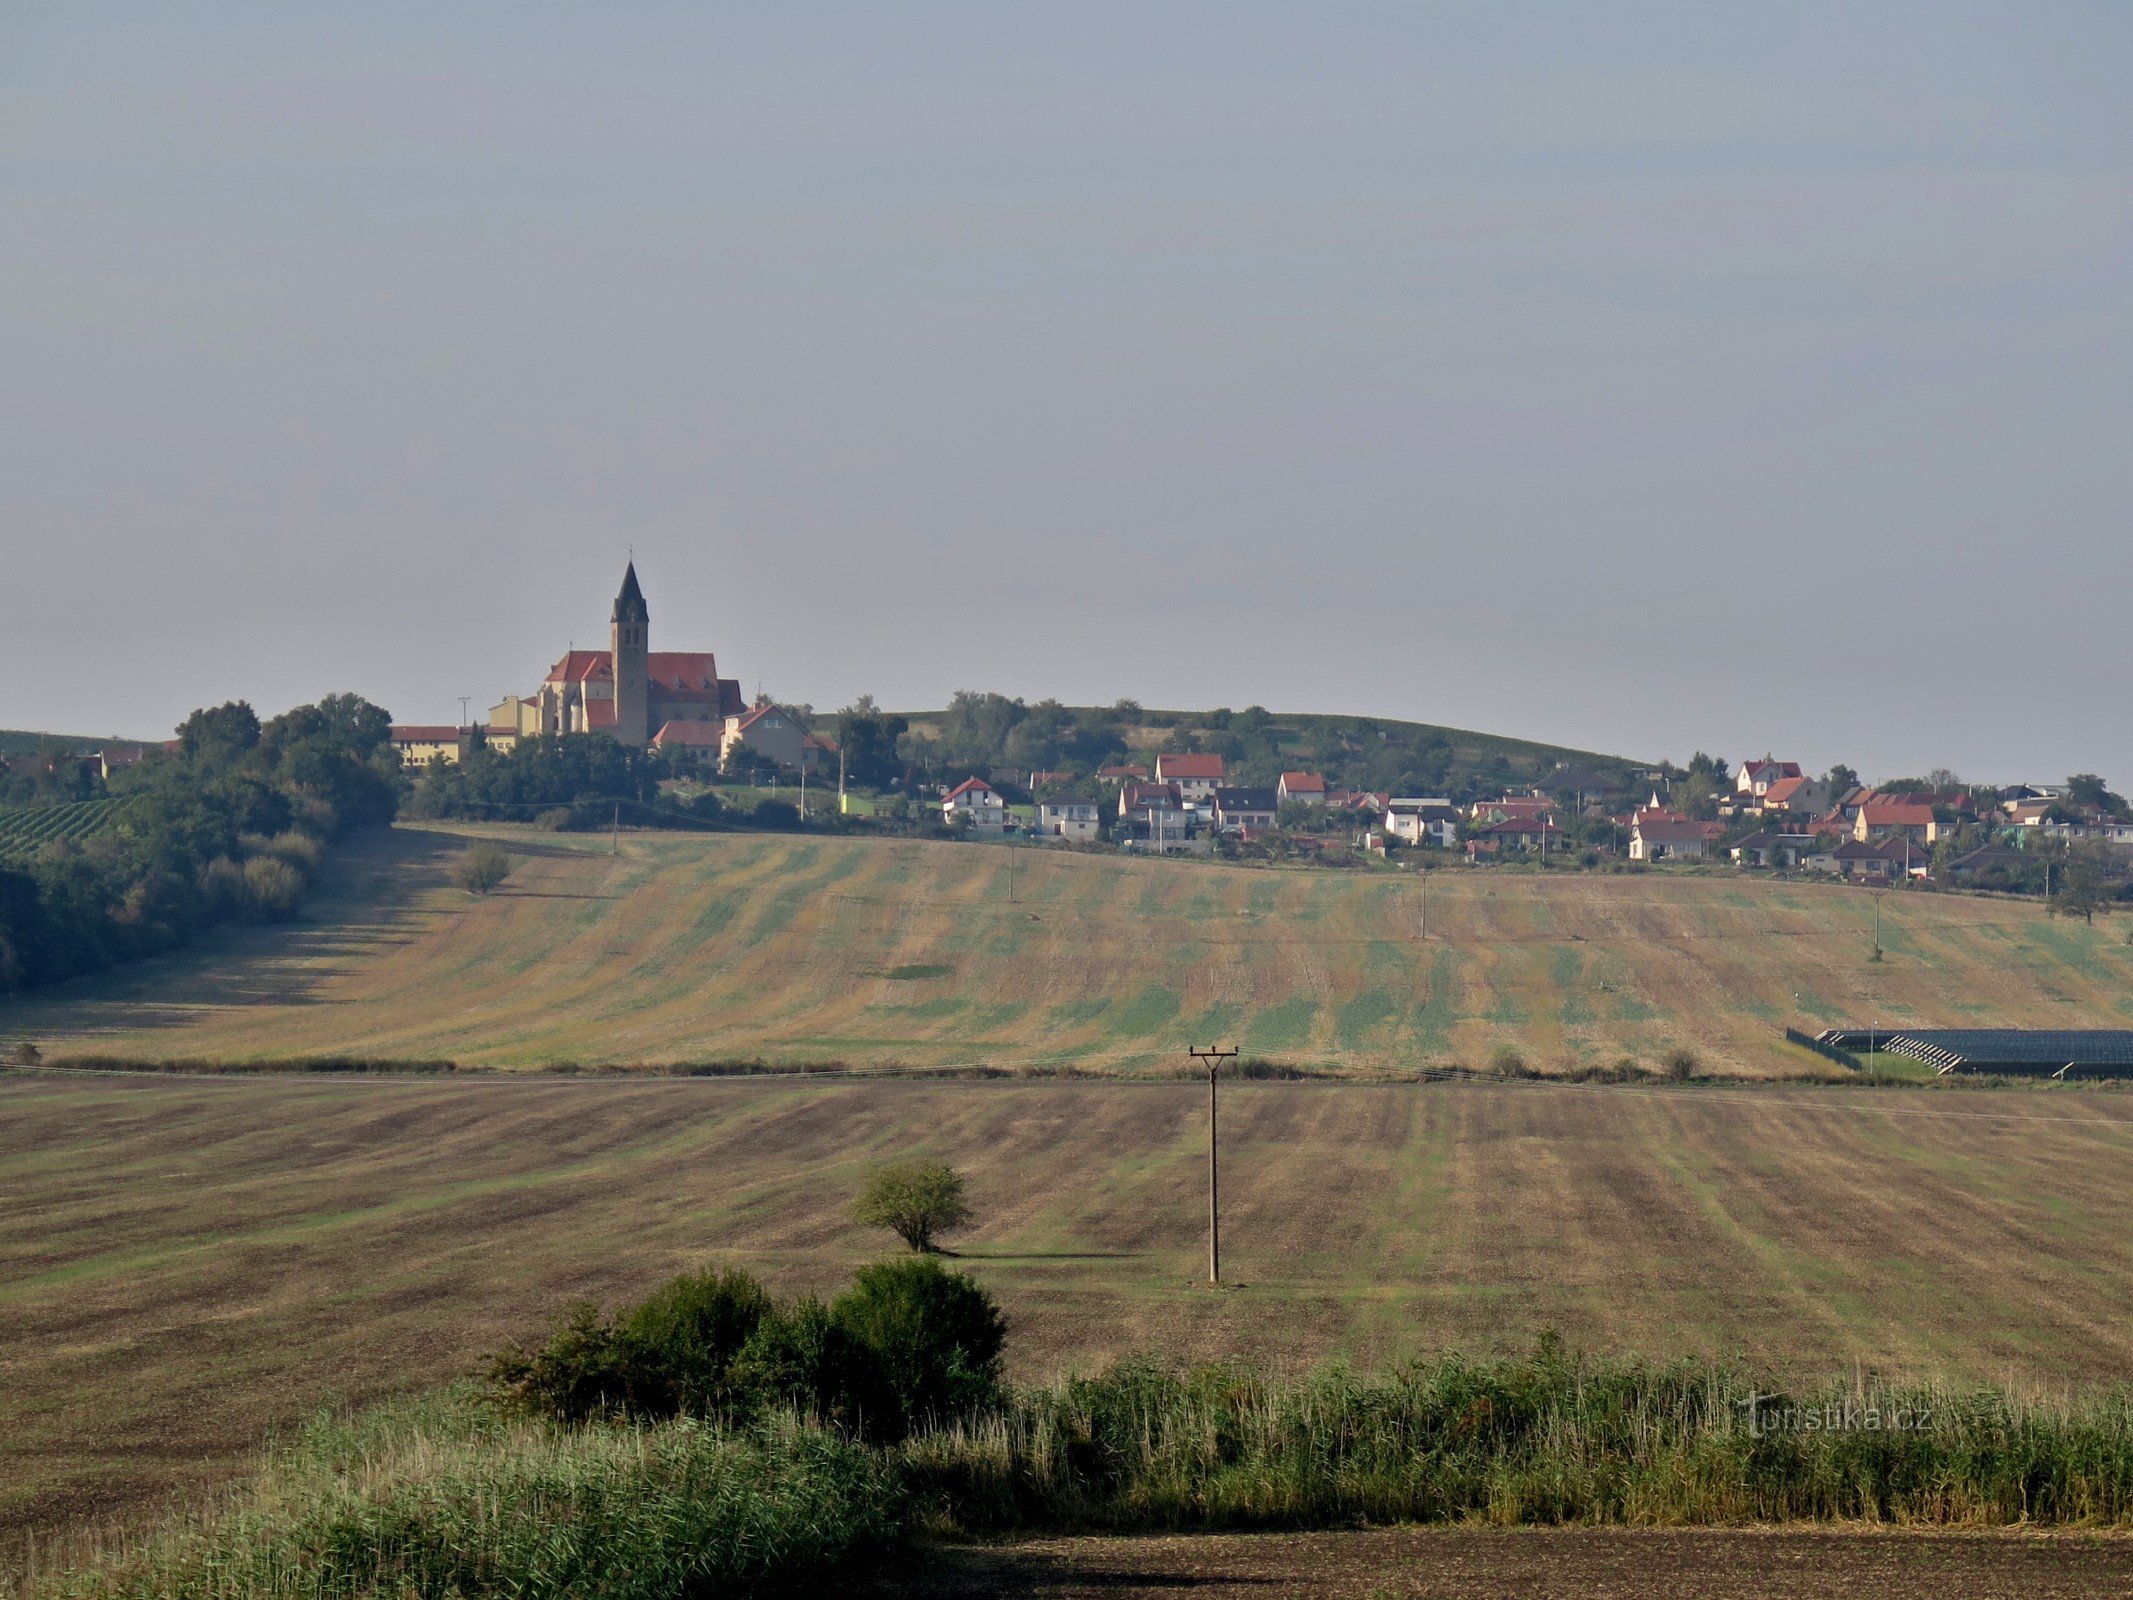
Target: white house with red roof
[(1756, 777), (629, 690), (1197, 776), (977, 802), (1301, 788)]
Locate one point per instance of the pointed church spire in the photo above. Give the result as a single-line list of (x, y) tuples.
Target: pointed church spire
[(630, 602)]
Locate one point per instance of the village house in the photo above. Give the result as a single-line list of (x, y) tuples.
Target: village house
[(1785, 851), (1244, 812), (1670, 838), (1896, 820), (1756, 777), (1881, 860), (1069, 817), (1422, 821), (1795, 797), (1514, 805), (1196, 776), (977, 802), (1523, 833), (419, 743), (768, 731), (1301, 788)]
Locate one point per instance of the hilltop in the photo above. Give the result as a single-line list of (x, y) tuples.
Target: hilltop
[(1380, 753), (920, 955)]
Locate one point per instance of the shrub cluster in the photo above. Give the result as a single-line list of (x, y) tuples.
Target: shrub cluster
[(909, 1343)]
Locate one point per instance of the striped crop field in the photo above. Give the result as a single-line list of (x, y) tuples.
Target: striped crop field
[(24, 830), (185, 1262), (921, 955)]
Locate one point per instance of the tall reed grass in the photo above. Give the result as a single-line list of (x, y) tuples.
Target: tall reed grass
[(446, 1497), (1553, 1439), (442, 1498)]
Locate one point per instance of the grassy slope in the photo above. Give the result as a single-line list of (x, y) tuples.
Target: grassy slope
[(694, 947), (183, 1262)]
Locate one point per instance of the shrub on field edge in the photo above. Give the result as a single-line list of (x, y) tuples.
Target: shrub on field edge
[(909, 1342)]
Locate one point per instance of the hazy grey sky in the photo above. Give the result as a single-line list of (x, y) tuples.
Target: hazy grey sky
[(1641, 377)]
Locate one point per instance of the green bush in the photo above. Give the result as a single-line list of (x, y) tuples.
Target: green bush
[(933, 1338), (908, 1343), (672, 1355)]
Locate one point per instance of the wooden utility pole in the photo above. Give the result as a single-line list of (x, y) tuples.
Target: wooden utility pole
[(1214, 1059)]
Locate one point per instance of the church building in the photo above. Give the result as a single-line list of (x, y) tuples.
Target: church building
[(637, 695)]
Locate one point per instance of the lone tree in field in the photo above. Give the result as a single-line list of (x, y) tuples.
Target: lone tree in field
[(483, 867), (915, 1200)]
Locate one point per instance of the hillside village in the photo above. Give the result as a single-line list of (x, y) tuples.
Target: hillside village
[(664, 733)]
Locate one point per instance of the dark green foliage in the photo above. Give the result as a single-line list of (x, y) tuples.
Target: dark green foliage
[(934, 1336), (573, 769), (227, 827), (669, 1356), (908, 1342)]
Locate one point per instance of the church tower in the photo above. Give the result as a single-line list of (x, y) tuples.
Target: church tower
[(630, 645)]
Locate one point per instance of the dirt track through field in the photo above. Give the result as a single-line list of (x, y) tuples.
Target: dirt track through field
[(1533, 1564), (901, 953), (185, 1262)]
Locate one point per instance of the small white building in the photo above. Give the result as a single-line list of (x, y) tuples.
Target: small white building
[(1422, 821), (1068, 817), (979, 803), (1670, 839)]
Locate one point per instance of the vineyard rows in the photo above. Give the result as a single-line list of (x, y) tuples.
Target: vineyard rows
[(24, 830)]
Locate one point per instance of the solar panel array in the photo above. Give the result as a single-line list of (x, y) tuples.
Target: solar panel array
[(2085, 1052)]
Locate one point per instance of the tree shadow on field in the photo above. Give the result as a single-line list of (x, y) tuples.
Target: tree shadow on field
[(366, 904)]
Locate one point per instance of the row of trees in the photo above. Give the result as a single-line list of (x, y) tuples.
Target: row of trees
[(228, 826)]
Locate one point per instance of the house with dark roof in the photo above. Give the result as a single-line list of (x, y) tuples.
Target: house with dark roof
[(769, 731), (1882, 860), (1756, 777), (1245, 811), (1421, 820)]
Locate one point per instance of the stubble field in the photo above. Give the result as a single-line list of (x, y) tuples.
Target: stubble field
[(186, 1262), (925, 955)]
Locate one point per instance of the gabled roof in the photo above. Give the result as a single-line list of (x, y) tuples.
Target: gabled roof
[(1243, 799), (1515, 825), (579, 666), (1878, 850), (967, 786), (688, 733), (1770, 769), (1136, 795), (1303, 783), (1896, 816), (1203, 768), (424, 733), (1782, 791), (684, 670)]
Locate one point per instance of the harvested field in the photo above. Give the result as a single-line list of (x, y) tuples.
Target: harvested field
[(907, 954), (187, 1262), (1535, 1564)]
